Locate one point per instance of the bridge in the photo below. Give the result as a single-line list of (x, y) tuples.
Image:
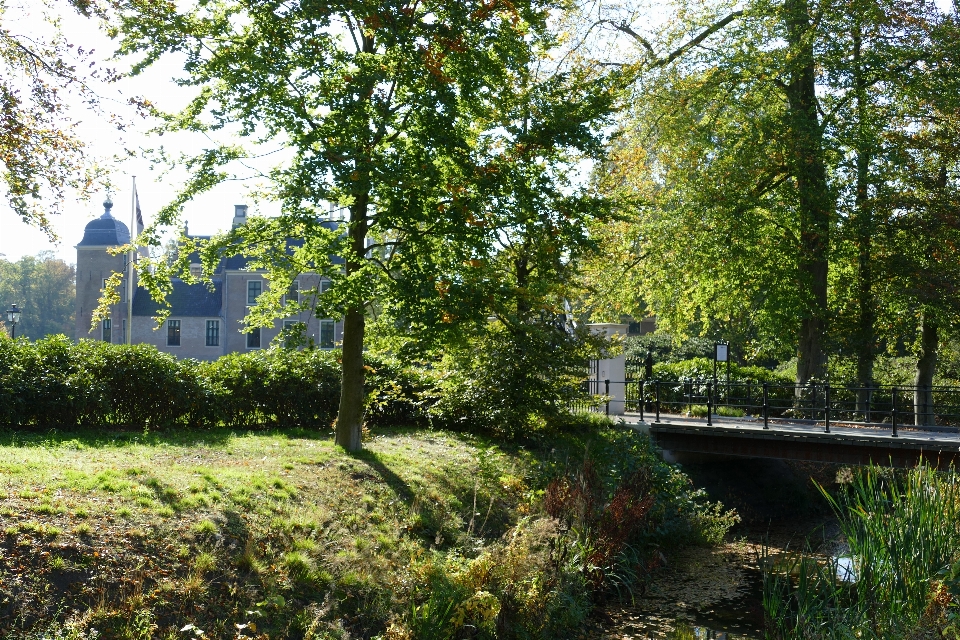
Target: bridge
[(689, 439), (816, 422)]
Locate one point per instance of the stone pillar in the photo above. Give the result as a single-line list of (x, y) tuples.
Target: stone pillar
[(612, 369)]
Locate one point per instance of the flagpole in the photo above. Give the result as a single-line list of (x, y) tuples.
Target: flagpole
[(133, 252)]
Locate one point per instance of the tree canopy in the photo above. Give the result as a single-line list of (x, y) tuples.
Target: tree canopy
[(441, 129), (41, 157)]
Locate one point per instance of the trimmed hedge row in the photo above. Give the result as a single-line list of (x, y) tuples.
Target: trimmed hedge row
[(56, 382)]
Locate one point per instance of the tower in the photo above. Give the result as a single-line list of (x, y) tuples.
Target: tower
[(94, 266)]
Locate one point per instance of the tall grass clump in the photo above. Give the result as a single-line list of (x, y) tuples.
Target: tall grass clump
[(902, 530)]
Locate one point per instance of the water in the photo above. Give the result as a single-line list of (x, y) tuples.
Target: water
[(709, 595)]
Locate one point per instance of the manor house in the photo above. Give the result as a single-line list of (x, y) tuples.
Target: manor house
[(204, 323)]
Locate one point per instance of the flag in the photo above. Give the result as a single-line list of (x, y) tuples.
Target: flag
[(136, 199)]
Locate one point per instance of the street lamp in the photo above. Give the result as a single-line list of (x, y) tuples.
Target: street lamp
[(13, 317)]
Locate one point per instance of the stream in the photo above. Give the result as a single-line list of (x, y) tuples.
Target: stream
[(700, 593), (717, 594)]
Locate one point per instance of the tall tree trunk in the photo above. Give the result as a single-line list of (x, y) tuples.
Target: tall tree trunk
[(864, 342), (350, 415), (926, 365), (809, 171)]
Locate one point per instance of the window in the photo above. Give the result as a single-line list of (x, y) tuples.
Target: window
[(293, 293), (213, 333), (293, 333), (254, 288), (123, 328), (105, 328), (253, 339), (326, 334), (173, 333), (123, 292), (324, 285)]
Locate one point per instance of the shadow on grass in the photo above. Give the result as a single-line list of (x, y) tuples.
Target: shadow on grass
[(395, 482)]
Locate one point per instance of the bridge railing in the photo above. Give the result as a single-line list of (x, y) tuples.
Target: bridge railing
[(934, 407)]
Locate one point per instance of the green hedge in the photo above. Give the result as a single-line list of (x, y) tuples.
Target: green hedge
[(702, 369), (55, 382)]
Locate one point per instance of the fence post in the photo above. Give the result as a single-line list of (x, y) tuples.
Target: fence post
[(709, 404), (656, 386), (766, 406), (826, 407), (606, 392), (642, 401), (866, 416), (893, 412), (813, 400)]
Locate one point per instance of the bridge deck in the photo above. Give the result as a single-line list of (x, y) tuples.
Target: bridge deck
[(795, 441)]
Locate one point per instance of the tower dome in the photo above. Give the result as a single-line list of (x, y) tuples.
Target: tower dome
[(105, 231)]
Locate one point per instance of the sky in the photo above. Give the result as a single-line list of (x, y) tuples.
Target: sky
[(205, 215)]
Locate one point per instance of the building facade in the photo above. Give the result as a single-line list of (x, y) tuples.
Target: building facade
[(205, 322)]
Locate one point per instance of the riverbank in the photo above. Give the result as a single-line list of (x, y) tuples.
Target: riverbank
[(281, 535)]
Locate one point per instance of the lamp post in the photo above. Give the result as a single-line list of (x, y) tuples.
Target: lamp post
[(13, 317)]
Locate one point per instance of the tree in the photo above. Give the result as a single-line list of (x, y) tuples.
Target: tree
[(389, 109), (44, 288), (757, 164), (40, 156)]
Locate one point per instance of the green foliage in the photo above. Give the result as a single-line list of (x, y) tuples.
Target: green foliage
[(702, 369), (273, 386), (902, 532), (665, 348), (44, 288), (513, 381), (57, 383)]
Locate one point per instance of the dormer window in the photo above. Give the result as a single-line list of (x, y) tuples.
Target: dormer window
[(196, 269)]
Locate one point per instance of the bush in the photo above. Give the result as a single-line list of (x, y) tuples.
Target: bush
[(665, 349), (702, 369), (55, 382), (513, 381), (273, 387)]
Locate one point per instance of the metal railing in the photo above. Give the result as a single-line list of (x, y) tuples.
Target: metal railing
[(893, 407)]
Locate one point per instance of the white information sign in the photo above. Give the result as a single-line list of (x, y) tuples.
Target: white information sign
[(722, 350)]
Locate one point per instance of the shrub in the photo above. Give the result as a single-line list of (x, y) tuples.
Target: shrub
[(55, 382), (702, 369), (274, 387), (513, 381)]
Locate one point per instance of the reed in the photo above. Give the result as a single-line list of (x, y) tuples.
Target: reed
[(902, 529)]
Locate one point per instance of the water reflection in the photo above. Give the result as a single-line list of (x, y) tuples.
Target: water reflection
[(845, 570)]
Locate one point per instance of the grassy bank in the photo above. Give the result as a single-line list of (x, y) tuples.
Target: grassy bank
[(425, 534)]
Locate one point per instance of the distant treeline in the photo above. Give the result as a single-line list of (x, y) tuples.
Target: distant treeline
[(44, 287)]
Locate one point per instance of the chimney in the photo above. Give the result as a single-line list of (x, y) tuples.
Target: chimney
[(239, 215)]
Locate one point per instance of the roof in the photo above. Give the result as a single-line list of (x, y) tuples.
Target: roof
[(105, 231), (185, 300), (239, 263)]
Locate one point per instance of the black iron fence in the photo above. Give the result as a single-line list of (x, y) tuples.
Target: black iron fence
[(935, 407)]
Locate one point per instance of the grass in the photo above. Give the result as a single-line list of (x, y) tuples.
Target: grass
[(237, 528), (286, 536)]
